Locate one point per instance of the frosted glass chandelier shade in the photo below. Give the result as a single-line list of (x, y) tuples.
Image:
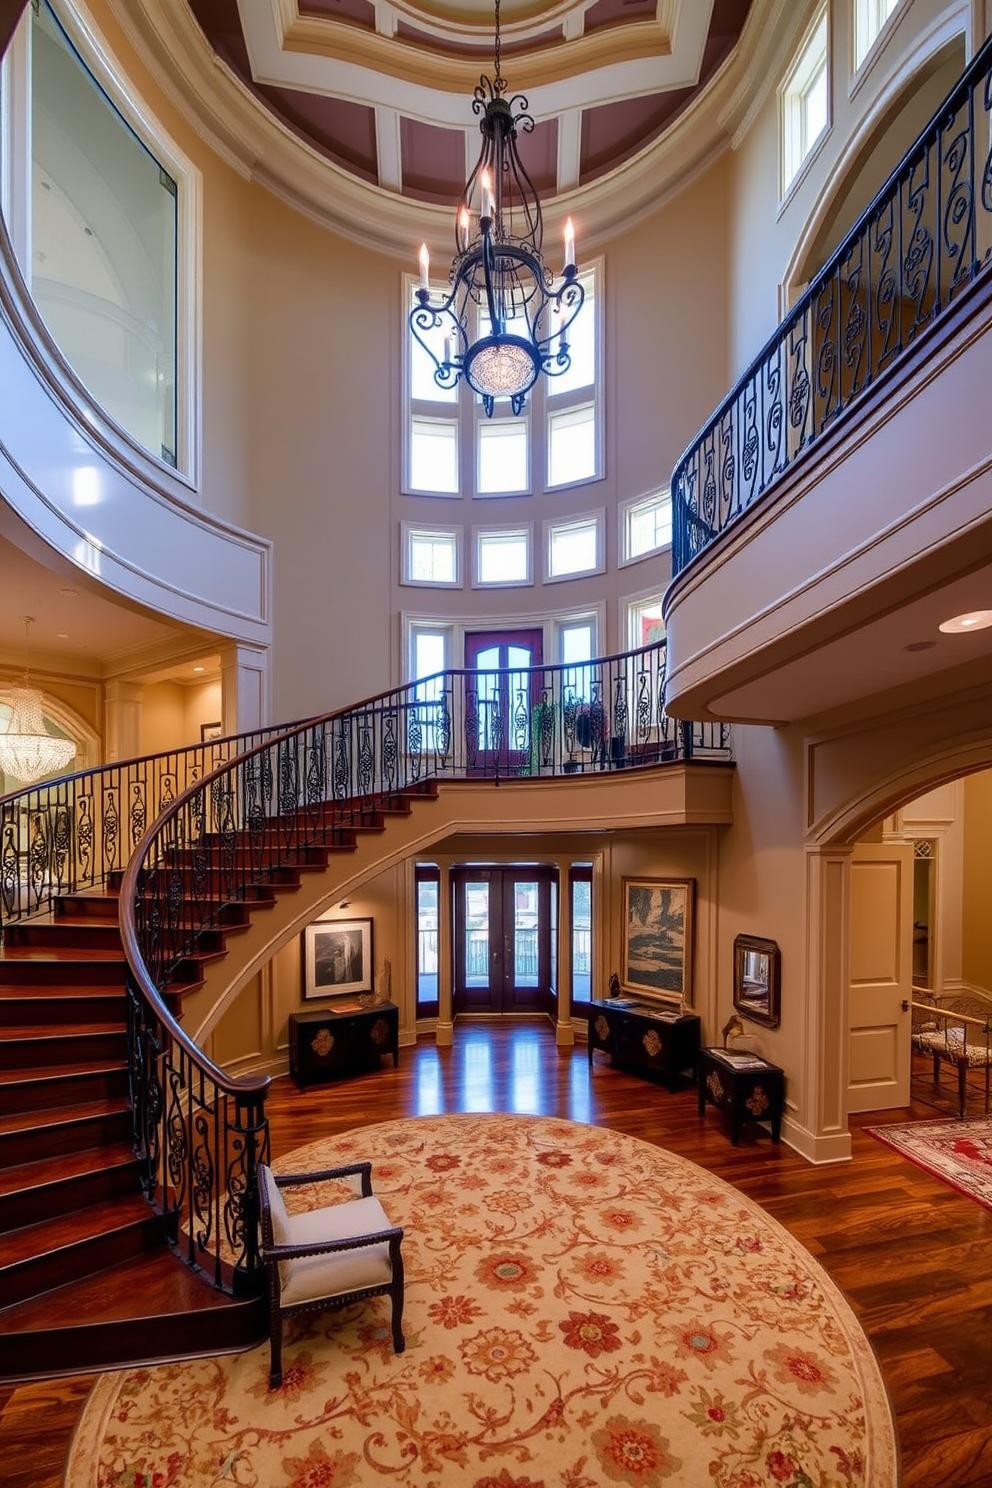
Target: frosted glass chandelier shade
[(27, 751)]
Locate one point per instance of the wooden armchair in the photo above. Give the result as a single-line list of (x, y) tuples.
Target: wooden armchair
[(327, 1257), (957, 1032)]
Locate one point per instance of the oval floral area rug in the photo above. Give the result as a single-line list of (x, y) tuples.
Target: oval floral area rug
[(582, 1309)]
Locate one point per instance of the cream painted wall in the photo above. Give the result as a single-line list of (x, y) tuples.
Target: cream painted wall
[(977, 883)]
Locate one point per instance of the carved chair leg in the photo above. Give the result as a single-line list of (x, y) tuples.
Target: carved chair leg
[(275, 1351), (962, 1087), (396, 1294)]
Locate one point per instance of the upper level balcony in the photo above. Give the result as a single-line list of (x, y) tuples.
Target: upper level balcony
[(838, 506)]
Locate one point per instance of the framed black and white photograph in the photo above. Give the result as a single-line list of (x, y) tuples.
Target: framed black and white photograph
[(657, 937), (210, 731), (337, 958)]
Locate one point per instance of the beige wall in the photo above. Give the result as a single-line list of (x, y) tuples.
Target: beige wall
[(976, 957)]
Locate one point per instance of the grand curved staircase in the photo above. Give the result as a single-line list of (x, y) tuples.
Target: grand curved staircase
[(121, 891)]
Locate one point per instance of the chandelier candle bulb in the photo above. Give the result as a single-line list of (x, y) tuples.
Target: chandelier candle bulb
[(487, 195), (425, 267), (569, 245)]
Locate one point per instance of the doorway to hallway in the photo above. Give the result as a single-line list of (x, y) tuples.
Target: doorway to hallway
[(504, 936)]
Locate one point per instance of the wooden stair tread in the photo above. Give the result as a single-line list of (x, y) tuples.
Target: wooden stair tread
[(61, 1233), (13, 1123), (50, 1170), (53, 990), (28, 1031), (68, 953), (147, 1286), (61, 1072)]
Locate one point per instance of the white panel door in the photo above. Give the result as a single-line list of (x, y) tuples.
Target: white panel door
[(881, 975)]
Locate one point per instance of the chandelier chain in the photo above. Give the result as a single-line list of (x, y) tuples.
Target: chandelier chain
[(499, 87)]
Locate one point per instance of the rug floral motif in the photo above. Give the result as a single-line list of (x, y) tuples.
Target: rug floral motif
[(582, 1310), (959, 1152)]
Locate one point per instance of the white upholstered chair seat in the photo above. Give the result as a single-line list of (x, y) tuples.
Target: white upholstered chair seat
[(329, 1256)]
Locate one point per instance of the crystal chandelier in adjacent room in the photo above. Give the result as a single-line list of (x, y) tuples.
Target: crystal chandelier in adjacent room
[(503, 322), (27, 751)]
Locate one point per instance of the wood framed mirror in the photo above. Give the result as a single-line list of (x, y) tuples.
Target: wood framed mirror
[(757, 979)]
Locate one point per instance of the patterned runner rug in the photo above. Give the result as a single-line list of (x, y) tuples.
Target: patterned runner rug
[(959, 1152), (582, 1309)]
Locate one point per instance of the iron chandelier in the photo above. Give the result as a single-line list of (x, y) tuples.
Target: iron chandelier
[(503, 322)]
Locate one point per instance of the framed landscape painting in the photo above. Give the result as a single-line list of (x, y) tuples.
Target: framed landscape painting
[(657, 937), (337, 958)]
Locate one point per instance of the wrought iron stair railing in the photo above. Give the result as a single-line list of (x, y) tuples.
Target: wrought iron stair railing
[(922, 241), (198, 841)]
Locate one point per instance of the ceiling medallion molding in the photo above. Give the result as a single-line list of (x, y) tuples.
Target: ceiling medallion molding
[(259, 147)]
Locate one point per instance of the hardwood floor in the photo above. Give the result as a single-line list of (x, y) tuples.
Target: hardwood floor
[(913, 1257)]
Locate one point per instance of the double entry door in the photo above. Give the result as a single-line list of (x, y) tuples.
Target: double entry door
[(503, 940)]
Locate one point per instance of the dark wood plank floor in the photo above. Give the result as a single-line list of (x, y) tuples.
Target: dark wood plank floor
[(913, 1256)]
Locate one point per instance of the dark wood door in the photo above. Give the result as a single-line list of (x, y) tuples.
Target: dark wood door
[(503, 940), (500, 697)]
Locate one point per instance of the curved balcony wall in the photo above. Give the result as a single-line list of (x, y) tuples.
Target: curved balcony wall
[(835, 510)]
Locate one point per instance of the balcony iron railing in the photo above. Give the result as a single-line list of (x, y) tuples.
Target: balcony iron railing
[(197, 840), (920, 243)]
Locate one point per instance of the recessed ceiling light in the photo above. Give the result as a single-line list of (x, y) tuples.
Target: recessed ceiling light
[(920, 646), (62, 635), (70, 593), (961, 624), (198, 669)]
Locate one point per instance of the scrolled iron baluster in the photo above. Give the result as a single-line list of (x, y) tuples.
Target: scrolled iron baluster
[(569, 721), (471, 726), (111, 830), (415, 742), (521, 720), (826, 355), (63, 877), (85, 837), (39, 857), (442, 728), (750, 449), (253, 812), (620, 710), (546, 731), (597, 721), (389, 751), (341, 779), (138, 813), (366, 757), (203, 1178), (959, 207), (886, 282), (175, 1129), (774, 461), (10, 873), (918, 258), (642, 706)]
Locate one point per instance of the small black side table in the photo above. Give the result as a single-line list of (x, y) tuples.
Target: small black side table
[(745, 1086)]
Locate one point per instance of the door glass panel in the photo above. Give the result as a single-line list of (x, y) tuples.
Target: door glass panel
[(581, 938), (427, 922), (476, 934), (525, 908)]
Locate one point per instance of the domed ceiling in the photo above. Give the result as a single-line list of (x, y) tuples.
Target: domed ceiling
[(384, 90), (360, 111)]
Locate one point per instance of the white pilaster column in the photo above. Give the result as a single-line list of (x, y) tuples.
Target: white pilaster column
[(244, 672), (122, 721), (816, 1123)]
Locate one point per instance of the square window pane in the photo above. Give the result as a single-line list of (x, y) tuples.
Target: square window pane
[(572, 549), (502, 456), (503, 558), (571, 446), (815, 109), (648, 526), (434, 456), (645, 624), (432, 557), (576, 643), (428, 652)]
